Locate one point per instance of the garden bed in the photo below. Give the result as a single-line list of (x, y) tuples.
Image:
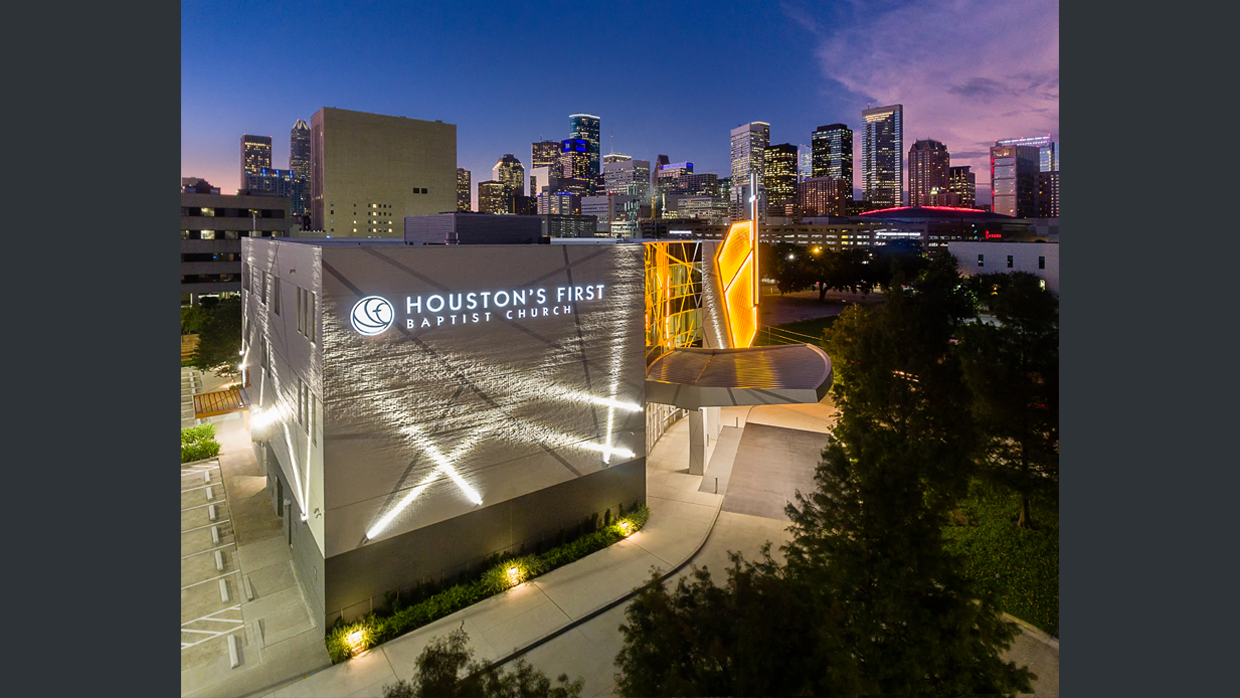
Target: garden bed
[(198, 443), (345, 640)]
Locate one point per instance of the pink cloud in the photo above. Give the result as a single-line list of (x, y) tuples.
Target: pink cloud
[(967, 73)]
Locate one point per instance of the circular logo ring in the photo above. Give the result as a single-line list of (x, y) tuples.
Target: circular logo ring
[(372, 315)]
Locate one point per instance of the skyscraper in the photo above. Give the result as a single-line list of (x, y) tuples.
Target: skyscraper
[(545, 154), (1048, 150), (1013, 180), (616, 157), (749, 142), (509, 170), (962, 181), (824, 196), (575, 159), (780, 178), (369, 171), (1048, 194), (495, 197), (585, 127), (882, 156), (833, 153), (299, 163), (463, 199), (631, 177), (928, 165), (255, 155)]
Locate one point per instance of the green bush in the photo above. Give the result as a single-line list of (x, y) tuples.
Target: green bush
[(198, 433), (1020, 566), (375, 628), (199, 450)]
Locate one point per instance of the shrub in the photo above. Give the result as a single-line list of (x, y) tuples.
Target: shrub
[(374, 629), (198, 433), (199, 450)]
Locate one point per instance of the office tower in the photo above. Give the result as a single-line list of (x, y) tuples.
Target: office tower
[(255, 155), (389, 166), (284, 183), (1013, 180), (631, 177), (299, 163), (1048, 150), (928, 165), (963, 182), (575, 159), (545, 154), (668, 177), (615, 157), (824, 196), (749, 142), (1048, 194), (833, 153), (780, 178), (882, 156), (495, 197), (560, 203), (463, 190), (584, 127), (509, 170)]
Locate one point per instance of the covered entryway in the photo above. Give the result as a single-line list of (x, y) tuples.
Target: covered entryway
[(703, 380)]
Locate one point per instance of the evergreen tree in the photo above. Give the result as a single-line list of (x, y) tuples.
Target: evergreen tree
[(219, 337)]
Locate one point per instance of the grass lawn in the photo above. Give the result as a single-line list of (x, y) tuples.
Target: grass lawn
[(1020, 566), (800, 331)]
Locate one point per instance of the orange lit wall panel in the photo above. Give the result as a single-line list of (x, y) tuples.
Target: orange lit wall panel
[(737, 263)]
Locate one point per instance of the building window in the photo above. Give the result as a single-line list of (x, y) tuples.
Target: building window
[(1041, 262), (1009, 261), (275, 293), (981, 260), (266, 282), (301, 402)]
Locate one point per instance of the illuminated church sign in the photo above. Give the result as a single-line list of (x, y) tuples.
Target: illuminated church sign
[(373, 315)]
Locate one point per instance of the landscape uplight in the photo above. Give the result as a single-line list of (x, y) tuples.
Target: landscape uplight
[(514, 576), (626, 528), (356, 641)]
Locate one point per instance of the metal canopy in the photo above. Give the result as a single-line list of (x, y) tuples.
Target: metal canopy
[(695, 378)]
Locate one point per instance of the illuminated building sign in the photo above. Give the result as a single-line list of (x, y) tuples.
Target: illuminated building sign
[(373, 315)]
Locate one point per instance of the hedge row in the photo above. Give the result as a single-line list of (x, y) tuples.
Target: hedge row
[(1020, 566), (375, 628)]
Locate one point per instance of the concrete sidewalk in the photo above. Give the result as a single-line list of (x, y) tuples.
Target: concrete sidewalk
[(681, 517)]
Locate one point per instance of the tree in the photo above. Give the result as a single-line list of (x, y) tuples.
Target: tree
[(786, 264), (1013, 371), (867, 541), (447, 668), (756, 635), (219, 338)]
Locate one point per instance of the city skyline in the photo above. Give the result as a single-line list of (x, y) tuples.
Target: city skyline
[(967, 86)]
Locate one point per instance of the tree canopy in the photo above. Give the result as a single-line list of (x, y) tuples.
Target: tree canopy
[(219, 337), (447, 669), (1012, 370)]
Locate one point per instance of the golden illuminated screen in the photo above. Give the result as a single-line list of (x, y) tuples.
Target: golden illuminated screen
[(673, 289), (737, 262)]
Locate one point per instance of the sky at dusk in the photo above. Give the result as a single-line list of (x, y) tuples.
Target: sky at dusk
[(669, 78)]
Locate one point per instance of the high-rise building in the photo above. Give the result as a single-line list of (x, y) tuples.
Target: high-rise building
[(1048, 194), (1048, 150), (495, 197), (615, 157), (668, 178), (463, 190), (749, 142), (928, 165), (833, 153), (629, 176), (780, 179), (509, 170), (560, 203), (299, 163), (882, 156), (284, 183), (545, 154), (255, 155), (369, 171), (805, 162), (962, 181), (575, 159), (824, 196), (584, 127), (1013, 180)]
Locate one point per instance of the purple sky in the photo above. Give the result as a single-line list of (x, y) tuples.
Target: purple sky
[(665, 78)]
